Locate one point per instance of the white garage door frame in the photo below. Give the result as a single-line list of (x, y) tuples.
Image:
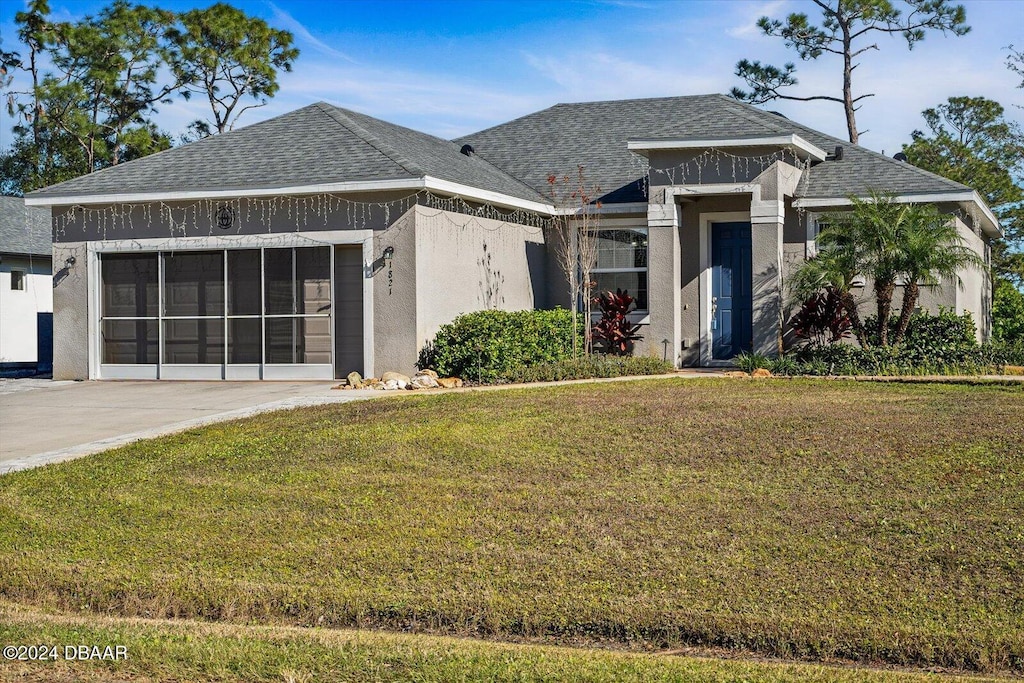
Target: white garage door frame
[(331, 238)]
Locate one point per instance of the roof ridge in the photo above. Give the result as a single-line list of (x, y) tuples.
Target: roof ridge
[(661, 98), (342, 118), (902, 164)]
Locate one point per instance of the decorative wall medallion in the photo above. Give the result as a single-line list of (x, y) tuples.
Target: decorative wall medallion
[(225, 217)]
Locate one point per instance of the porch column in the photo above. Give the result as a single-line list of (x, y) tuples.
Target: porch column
[(766, 224), (663, 281)]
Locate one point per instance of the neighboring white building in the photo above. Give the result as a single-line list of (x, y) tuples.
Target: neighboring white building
[(26, 289)]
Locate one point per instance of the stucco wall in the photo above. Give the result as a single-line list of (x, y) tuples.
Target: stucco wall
[(446, 264), (19, 309), (975, 296), (466, 264), (71, 312), (394, 298), (766, 283), (686, 167), (663, 259)]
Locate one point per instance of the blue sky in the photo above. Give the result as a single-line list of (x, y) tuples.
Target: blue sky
[(450, 68)]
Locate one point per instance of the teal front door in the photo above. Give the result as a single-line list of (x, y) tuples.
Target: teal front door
[(731, 293)]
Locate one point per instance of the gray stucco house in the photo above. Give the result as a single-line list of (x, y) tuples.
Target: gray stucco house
[(325, 241)]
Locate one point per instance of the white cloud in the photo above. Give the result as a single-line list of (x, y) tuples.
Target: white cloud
[(750, 12), (286, 21), (590, 75)]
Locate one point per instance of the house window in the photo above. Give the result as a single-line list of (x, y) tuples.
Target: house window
[(622, 263), (18, 280)]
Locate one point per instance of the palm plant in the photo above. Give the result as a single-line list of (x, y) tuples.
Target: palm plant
[(872, 239), (885, 240), (835, 267), (933, 250)]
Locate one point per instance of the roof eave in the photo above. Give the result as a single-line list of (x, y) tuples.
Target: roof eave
[(804, 149), (27, 254), (989, 222), (394, 184)]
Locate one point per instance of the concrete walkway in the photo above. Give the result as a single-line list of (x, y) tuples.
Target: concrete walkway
[(42, 421)]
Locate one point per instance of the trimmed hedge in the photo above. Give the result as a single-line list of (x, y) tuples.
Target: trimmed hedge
[(589, 367), (489, 346), (942, 344)]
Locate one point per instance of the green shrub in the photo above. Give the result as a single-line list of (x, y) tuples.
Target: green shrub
[(934, 334), (588, 367), (748, 362), (486, 346), (846, 359), (934, 344), (999, 353), (786, 365)]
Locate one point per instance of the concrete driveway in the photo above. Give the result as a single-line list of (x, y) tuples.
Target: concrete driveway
[(42, 421)]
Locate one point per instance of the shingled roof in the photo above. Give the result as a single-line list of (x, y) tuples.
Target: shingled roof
[(594, 134), (316, 145), (322, 144), (24, 229)]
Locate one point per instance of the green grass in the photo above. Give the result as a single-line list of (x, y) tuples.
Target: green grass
[(804, 519), (196, 651)]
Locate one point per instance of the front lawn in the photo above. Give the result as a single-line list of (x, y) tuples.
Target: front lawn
[(875, 522), (191, 651)]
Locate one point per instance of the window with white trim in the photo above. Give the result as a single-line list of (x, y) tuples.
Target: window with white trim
[(622, 263)]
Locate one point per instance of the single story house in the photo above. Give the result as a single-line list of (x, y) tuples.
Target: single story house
[(325, 241), (26, 289)]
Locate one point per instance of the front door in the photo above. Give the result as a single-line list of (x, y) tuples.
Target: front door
[(731, 294)]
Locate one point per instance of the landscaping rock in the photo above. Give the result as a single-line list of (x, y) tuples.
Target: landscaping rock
[(427, 371), (421, 381), (449, 382), (736, 373), (760, 373), (396, 377), (355, 380)]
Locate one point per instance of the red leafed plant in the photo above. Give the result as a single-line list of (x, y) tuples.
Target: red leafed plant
[(822, 319), (614, 334)]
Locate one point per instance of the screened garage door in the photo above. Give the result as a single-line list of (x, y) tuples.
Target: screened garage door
[(221, 314)]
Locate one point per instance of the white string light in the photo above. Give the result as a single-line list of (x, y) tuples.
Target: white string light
[(200, 217), (693, 170), (267, 213)]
